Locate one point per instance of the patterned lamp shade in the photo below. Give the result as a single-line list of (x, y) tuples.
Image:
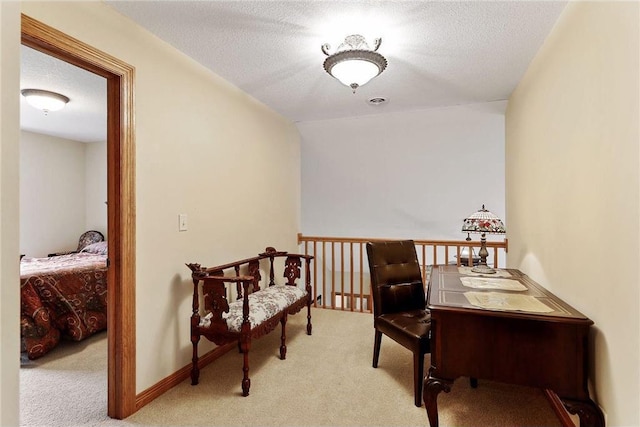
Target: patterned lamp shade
[(483, 221)]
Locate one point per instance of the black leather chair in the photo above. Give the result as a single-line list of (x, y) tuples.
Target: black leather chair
[(399, 306)]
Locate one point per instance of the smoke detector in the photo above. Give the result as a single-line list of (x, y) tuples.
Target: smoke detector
[(377, 100)]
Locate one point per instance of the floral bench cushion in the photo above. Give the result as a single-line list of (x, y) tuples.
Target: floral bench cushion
[(263, 305)]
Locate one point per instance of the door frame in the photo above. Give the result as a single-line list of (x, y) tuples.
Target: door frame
[(121, 202)]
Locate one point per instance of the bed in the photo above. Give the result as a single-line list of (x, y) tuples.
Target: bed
[(62, 297)]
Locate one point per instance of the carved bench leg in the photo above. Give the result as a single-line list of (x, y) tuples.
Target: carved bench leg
[(195, 372), (309, 326), (245, 344), (283, 337), (307, 287)]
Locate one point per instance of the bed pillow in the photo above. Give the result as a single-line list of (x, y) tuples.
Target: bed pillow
[(99, 248)]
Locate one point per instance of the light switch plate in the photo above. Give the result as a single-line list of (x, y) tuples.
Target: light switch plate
[(182, 222)]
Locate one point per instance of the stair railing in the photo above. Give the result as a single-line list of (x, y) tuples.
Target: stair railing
[(340, 271)]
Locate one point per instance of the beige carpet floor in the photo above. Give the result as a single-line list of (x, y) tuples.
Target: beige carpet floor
[(327, 380)]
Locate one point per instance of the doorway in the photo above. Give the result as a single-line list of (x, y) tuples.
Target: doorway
[(121, 202)]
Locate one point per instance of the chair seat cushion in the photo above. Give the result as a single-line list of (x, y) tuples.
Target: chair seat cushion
[(410, 328), (263, 305)]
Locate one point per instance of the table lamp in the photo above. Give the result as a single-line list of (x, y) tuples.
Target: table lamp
[(483, 222)]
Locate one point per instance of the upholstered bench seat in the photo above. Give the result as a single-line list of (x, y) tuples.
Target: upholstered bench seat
[(263, 305)]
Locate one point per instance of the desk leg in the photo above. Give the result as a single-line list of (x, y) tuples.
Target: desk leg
[(589, 413), (432, 387)]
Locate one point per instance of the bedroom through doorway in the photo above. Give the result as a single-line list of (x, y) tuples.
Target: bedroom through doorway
[(120, 206), (63, 224)]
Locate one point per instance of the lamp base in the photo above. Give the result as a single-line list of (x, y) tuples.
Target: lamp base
[(483, 269)]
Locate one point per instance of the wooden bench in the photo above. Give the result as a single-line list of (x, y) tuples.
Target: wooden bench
[(255, 312)]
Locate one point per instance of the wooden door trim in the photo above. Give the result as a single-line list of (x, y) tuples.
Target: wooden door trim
[(121, 202)]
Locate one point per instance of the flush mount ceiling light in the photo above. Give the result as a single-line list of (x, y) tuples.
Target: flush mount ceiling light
[(44, 100), (353, 62)]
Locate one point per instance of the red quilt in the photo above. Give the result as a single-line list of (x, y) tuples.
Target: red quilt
[(61, 296)]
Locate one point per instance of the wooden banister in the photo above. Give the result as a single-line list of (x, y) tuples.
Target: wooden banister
[(341, 273)]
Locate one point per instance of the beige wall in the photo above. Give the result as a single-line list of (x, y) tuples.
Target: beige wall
[(449, 148), (573, 190), (203, 148), (63, 187), (95, 161), (9, 216), (52, 194)]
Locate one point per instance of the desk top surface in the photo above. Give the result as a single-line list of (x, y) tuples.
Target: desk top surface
[(509, 293)]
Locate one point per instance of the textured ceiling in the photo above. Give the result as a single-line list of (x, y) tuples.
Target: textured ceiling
[(440, 53)]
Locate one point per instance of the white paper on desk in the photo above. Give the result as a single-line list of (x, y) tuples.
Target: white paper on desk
[(502, 301), (491, 283), (467, 272)]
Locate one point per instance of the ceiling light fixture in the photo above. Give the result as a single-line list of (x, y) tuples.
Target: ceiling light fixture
[(44, 100), (353, 62)]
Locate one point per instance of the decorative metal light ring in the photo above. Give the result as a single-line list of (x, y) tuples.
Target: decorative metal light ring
[(359, 54)]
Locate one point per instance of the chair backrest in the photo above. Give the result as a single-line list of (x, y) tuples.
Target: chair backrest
[(396, 280), (89, 237)]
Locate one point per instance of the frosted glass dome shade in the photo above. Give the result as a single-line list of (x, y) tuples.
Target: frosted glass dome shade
[(356, 71), (44, 100)]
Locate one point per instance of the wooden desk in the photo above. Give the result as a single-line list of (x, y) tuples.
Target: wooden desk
[(545, 350)]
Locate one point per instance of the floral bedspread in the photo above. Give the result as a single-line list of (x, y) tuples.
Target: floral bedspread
[(62, 296)]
